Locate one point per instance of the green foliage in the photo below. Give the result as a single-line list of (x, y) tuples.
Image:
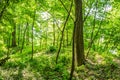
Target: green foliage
[(51, 49), (36, 49), (101, 26), (1, 78), (3, 49), (65, 59), (48, 69), (14, 64)]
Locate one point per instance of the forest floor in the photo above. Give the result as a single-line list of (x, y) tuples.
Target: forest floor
[(43, 67)]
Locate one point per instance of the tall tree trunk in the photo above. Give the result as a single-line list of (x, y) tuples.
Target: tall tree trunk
[(27, 36), (32, 33), (63, 33), (8, 45), (54, 33), (73, 54), (46, 33), (79, 41), (67, 40), (14, 37), (24, 37), (19, 35)]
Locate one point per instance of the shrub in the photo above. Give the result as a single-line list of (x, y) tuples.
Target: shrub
[(51, 49)]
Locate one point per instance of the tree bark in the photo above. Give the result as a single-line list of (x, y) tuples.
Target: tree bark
[(79, 41)]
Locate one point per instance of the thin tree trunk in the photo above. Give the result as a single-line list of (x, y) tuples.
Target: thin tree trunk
[(27, 37), (46, 41), (32, 34), (8, 46), (73, 54), (53, 33), (14, 37), (67, 40), (19, 35), (24, 37), (63, 33), (94, 24)]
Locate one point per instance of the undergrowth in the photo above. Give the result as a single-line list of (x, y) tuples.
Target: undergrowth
[(43, 67)]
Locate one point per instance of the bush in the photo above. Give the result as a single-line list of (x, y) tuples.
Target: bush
[(51, 49)]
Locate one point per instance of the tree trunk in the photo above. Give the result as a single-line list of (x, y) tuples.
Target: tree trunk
[(79, 41), (73, 54), (32, 34), (24, 37), (67, 40), (19, 35), (14, 37), (27, 36), (54, 33), (46, 33), (8, 45)]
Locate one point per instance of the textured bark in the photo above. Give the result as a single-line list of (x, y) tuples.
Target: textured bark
[(79, 41)]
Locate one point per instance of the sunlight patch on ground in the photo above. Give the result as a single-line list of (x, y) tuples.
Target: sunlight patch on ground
[(99, 59)]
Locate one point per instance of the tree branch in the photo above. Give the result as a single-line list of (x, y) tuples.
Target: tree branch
[(63, 32), (66, 9)]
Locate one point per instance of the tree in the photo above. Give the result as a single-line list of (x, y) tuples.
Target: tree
[(33, 33), (14, 36), (79, 41)]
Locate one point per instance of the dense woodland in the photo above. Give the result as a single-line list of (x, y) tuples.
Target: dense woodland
[(59, 39)]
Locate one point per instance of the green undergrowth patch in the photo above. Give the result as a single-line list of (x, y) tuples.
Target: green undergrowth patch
[(43, 67), (51, 49)]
